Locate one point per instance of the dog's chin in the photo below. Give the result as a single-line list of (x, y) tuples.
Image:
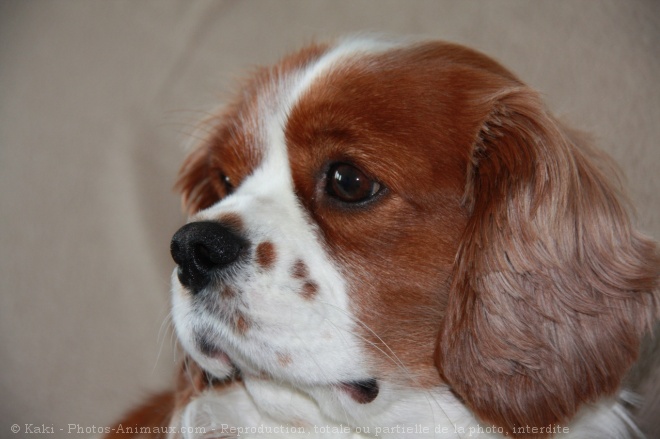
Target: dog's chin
[(219, 364)]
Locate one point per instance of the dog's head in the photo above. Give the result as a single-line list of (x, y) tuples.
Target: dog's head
[(370, 215)]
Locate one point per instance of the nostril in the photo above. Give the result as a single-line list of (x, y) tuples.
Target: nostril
[(215, 252), (204, 259)]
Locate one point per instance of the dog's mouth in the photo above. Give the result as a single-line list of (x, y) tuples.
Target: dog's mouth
[(209, 349), (363, 391)]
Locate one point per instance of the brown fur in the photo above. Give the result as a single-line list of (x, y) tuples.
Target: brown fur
[(553, 289), (265, 255), (499, 255), (231, 148), (549, 288), (154, 417)]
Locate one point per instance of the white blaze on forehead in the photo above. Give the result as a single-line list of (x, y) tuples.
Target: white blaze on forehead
[(280, 97), (330, 61)]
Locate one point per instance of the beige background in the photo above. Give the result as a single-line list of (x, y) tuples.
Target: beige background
[(97, 99)]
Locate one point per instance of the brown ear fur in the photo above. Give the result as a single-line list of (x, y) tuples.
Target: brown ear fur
[(194, 182), (552, 288)]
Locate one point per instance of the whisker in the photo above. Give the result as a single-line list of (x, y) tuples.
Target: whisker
[(395, 359), (165, 326), (326, 378), (429, 396)]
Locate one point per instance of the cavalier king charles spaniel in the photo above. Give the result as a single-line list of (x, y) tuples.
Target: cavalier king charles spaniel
[(397, 239)]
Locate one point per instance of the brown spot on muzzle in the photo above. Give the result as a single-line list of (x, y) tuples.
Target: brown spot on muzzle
[(300, 270), (309, 290), (265, 255)]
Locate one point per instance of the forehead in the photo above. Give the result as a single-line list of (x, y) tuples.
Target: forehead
[(384, 105)]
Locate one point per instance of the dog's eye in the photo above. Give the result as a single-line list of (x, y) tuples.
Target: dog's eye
[(227, 183), (349, 184)]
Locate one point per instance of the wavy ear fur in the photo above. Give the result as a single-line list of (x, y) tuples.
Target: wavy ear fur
[(197, 189), (552, 288)]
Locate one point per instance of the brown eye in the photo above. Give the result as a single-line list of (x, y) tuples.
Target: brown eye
[(226, 183), (349, 184)]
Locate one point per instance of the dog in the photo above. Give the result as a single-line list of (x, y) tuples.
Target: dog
[(397, 239)]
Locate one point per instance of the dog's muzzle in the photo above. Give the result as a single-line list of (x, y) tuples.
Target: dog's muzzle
[(203, 250)]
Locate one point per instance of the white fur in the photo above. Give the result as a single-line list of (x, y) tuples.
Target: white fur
[(262, 407), (318, 336)]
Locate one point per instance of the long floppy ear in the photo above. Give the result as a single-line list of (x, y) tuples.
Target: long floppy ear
[(552, 287)]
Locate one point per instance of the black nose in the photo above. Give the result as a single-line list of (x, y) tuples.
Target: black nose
[(202, 249)]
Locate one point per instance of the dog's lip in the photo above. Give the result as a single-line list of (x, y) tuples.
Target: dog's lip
[(210, 349), (361, 391)]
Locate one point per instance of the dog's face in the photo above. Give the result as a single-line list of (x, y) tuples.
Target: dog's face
[(371, 215), (324, 181)]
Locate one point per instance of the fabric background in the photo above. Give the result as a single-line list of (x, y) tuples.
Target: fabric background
[(98, 99)]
